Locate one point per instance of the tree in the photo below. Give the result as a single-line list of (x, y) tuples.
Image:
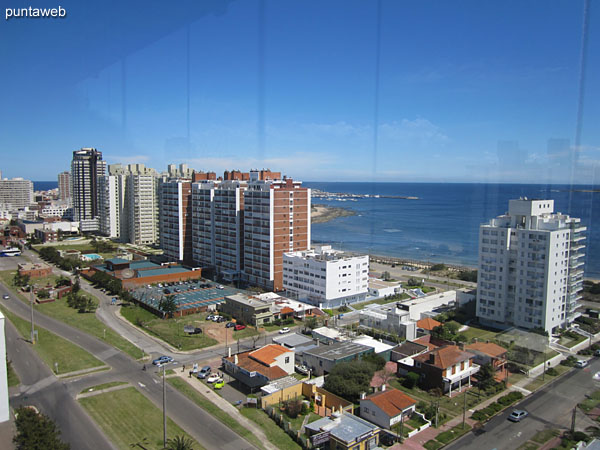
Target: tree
[(168, 306), (20, 280), (43, 293), (350, 379), (386, 276), (36, 431), (486, 376), (438, 267), (410, 380), (76, 286), (375, 359), (62, 281), (180, 443), (414, 282)]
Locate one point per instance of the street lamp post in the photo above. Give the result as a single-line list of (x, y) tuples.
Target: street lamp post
[(164, 408), (31, 305)]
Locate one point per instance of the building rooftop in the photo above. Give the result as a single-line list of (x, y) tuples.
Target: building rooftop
[(375, 344), (444, 357), (293, 340), (337, 351), (428, 323), (487, 348), (268, 353), (327, 332), (249, 300), (280, 384), (392, 401), (161, 271), (251, 365), (32, 266), (117, 261), (345, 427), (409, 348)]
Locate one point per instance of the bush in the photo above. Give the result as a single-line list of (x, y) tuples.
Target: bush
[(569, 362), (293, 407), (479, 416), (438, 267), (343, 309), (552, 372), (410, 380)]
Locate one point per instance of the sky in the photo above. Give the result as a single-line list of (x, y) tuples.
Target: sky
[(390, 90)]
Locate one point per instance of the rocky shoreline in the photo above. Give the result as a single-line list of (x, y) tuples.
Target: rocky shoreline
[(323, 213)]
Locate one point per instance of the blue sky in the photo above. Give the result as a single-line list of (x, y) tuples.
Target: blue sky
[(455, 91)]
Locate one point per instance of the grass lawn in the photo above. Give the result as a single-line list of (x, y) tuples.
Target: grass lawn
[(99, 387), (127, 417), (448, 436), (528, 446), (170, 330), (591, 402), (272, 327), (54, 349), (275, 434), (541, 437), (87, 322), (432, 445), (537, 383), (380, 301), (571, 342), (478, 333), (13, 378), (214, 410)]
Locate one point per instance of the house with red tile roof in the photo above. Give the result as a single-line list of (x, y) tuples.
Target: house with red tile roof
[(488, 353), (256, 368), (386, 408), (428, 324), (448, 368)]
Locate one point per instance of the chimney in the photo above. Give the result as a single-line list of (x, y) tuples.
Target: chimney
[(363, 395), (383, 387), (235, 359), (431, 358)]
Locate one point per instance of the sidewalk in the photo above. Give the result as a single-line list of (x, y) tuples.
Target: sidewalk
[(228, 408)]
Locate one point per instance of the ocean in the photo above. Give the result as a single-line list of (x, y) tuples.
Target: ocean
[(442, 225), (44, 185)]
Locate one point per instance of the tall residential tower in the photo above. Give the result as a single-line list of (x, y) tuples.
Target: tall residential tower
[(530, 267), (86, 167)]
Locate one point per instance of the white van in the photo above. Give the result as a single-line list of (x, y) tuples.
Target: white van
[(581, 363)]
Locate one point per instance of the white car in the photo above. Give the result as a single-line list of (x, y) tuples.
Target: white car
[(212, 378), (581, 363), (284, 330), (220, 286), (596, 376)]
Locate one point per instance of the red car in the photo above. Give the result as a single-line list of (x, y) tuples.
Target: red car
[(239, 327)]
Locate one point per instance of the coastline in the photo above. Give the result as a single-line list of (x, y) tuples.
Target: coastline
[(323, 213)]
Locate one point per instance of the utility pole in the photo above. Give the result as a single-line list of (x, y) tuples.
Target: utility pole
[(464, 409), (164, 409), (573, 420), (31, 305)]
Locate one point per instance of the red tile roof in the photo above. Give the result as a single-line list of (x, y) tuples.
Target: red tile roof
[(428, 323), (392, 402), (251, 365), (426, 341), (444, 357), (286, 310), (268, 353), (487, 348)]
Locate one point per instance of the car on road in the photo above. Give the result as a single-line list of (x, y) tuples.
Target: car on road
[(596, 376), (517, 415), (219, 383), (230, 325), (581, 363), (284, 330), (162, 360), (212, 378), (220, 286), (239, 327), (204, 372), (6, 297)]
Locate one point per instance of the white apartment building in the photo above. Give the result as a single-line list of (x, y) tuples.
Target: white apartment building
[(141, 200), (530, 267), (15, 193), (326, 277), (218, 226), (58, 209), (86, 167), (111, 205)]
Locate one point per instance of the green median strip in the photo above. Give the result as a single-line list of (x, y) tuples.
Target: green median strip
[(99, 387), (53, 349), (13, 378), (214, 410), (275, 434), (130, 419)]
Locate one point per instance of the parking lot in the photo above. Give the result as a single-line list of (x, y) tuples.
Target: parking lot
[(188, 295)]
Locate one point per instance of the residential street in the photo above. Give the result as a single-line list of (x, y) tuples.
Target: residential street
[(551, 407)]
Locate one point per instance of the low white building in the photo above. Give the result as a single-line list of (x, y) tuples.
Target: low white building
[(390, 319), (380, 288), (328, 335), (326, 277), (418, 307)]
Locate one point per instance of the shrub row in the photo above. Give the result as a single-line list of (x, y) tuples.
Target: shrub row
[(493, 408)]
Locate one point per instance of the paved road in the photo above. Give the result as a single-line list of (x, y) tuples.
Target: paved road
[(550, 407), (194, 420)]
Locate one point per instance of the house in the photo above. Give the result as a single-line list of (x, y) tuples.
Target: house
[(390, 319), (386, 408), (343, 432), (251, 310), (407, 350), (448, 368), (257, 368), (488, 353), (321, 359), (428, 324), (328, 335)]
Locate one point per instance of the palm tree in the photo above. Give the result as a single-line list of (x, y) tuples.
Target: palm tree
[(180, 443)]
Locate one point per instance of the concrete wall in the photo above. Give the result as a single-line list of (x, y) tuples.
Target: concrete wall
[(282, 395)]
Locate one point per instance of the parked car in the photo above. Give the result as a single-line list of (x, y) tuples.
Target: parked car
[(581, 363), (239, 327), (517, 415), (212, 378), (216, 318), (191, 329), (302, 369), (596, 376), (220, 286), (221, 319), (219, 383), (284, 330), (204, 372), (6, 297), (162, 360), (230, 325), (209, 317)]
